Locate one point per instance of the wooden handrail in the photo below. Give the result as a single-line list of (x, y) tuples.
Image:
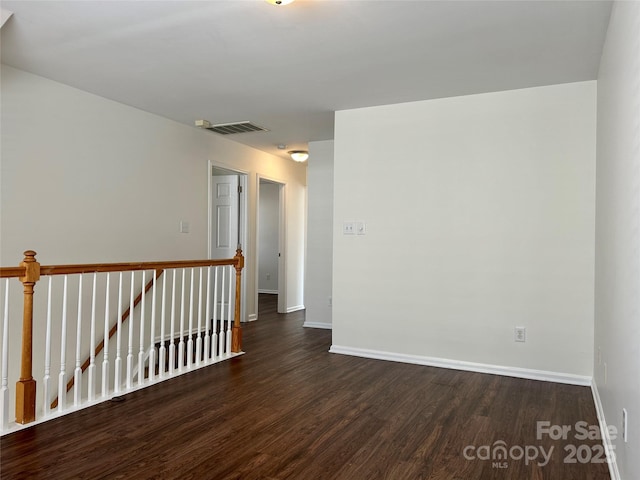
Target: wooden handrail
[(10, 272), (112, 331), (128, 267)]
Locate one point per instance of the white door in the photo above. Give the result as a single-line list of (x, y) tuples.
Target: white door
[(225, 216), (224, 238)]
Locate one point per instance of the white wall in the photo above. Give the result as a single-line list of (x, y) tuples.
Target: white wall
[(86, 179), (617, 277), (268, 228), (479, 213), (319, 235)]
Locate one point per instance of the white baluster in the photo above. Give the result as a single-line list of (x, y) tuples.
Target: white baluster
[(181, 343), (222, 334), (77, 373), (162, 352), (190, 340), (199, 332), (130, 342), (62, 381), (215, 351), (92, 351), (105, 350), (207, 338), (46, 381), (117, 379), (172, 345), (142, 320), (229, 303), (152, 342), (4, 389)]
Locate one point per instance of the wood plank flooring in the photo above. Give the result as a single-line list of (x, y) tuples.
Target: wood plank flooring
[(287, 409)]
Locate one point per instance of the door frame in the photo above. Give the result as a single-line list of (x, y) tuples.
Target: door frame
[(282, 247), (243, 225)]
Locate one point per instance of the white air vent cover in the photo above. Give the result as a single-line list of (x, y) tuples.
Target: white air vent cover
[(230, 128)]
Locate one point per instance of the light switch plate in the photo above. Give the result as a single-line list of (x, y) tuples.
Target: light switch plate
[(348, 228)]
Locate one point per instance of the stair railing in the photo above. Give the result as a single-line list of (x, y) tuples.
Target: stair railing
[(212, 333), (112, 331)]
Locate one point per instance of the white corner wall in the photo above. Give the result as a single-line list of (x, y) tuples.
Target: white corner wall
[(479, 215), (85, 179), (617, 273), (319, 235)]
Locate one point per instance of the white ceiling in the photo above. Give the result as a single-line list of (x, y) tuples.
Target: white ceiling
[(290, 68)]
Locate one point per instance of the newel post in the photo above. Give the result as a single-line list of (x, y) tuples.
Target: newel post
[(236, 331), (26, 386)]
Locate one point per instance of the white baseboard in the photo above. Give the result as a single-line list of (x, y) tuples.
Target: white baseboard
[(326, 326), (294, 309), (609, 448), (270, 292), (252, 317), (167, 337), (531, 374)]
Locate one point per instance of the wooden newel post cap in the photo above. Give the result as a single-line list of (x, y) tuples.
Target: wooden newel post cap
[(240, 258), (32, 267)]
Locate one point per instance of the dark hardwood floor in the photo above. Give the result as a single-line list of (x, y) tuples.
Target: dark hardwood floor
[(287, 409)]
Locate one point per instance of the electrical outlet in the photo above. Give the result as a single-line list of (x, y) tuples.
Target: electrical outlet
[(624, 425), (268, 276), (184, 227), (330, 302), (520, 334)]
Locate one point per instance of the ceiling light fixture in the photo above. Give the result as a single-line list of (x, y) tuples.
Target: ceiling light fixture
[(279, 2), (299, 155)]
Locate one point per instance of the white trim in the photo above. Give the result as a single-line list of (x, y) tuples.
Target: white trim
[(609, 447), (528, 373), (294, 309), (176, 338), (243, 180), (283, 292), (324, 325), (282, 238), (270, 292), (252, 317)]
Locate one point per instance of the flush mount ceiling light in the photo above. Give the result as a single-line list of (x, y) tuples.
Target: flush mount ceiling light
[(299, 155), (279, 2)]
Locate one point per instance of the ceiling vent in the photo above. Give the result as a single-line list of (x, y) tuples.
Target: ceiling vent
[(230, 128)]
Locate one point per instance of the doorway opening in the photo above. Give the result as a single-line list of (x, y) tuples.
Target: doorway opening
[(270, 246), (228, 219)]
